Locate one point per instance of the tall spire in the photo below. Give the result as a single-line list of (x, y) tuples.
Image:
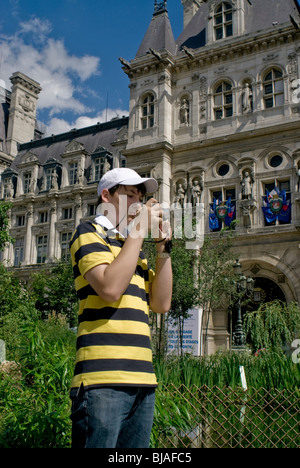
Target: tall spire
[(159, 35)]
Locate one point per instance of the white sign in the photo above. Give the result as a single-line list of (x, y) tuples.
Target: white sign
[(191, 339)]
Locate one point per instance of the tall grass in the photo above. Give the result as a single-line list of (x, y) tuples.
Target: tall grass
[(35, 407), (206, 394), (270, 369)]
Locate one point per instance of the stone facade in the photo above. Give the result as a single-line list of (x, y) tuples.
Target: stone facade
[(52, 185), (220, 110), (214, 116)]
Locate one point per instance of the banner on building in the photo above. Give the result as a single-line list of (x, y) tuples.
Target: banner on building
[(221, 212), (276, 206)]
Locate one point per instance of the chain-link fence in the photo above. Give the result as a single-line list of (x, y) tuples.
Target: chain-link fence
[(226, 418)]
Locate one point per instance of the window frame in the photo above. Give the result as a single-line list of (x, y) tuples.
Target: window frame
[(42, 249), (222, 22), (27, 176), (273, 95), (67, 212), (73, 172), (64, 245), (224, 194), (19, 247), (271, 184), (147, 111), (224, 105)]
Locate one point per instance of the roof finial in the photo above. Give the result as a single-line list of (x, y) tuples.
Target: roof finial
[(159, 7)]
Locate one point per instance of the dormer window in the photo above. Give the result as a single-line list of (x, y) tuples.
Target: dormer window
[(223, 21), (73, 169), (27, 182), (102, 162), (51, 175)]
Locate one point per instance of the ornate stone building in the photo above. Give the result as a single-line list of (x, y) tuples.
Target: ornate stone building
[(214, 115), (218, 109), (51, 182)]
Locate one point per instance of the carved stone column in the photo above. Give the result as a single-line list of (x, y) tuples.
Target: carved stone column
[(53, 220), (28, 236)]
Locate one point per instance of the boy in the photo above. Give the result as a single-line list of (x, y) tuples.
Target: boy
[(113, 389)]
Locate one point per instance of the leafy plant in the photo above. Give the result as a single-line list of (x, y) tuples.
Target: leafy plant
[(216, 277), (272, 325), (184, 288), (34, 411), (16, 309), (54, 291), (5, 237)]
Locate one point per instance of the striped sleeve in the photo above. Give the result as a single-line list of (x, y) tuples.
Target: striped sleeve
[(89, 248)]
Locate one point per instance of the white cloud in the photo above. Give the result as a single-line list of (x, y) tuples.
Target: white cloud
[(47, 61), (57, 125), (39, 28)]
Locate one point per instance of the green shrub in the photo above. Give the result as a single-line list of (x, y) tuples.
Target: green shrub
[(35, 411)]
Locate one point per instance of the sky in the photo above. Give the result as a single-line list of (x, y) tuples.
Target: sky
[(71, 47)]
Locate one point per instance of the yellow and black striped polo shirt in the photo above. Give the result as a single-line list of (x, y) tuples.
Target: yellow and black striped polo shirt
[(113, 343)]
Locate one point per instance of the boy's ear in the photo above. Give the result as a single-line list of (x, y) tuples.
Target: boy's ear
[(105, 195)]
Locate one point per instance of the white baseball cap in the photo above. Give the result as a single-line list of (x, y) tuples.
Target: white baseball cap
[(125, 176)]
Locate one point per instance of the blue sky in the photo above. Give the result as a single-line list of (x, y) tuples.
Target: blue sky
[(71, 47)]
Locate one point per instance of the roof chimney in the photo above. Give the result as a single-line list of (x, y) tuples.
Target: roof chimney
[(190, 8)]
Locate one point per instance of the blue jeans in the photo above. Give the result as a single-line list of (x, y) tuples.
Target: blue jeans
[(112, 417)]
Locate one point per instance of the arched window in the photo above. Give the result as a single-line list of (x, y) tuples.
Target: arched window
[(223, 21), (148, 111), (223, 100), (273, 89)]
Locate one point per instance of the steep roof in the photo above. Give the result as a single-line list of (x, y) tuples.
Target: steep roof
[(96, 136), (159, 35), (259, 15)]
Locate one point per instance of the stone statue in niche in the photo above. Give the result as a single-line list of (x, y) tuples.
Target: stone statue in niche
[(180, 192), (32, 185), (80, 176), (54, 180), (44, 184), (184, 112), (196, 191), (247, 99), (106, 167), (9, 189), (247, 185)]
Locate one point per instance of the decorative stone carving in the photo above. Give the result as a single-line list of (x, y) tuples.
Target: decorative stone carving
[(203, 96), (180, 193), (196, 189), (247, 207), (32, 185), (9, 189), (293, 66), (54, 181), (247, 98), (184, 112), (247, 181), (80, 176), (106, 167)]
